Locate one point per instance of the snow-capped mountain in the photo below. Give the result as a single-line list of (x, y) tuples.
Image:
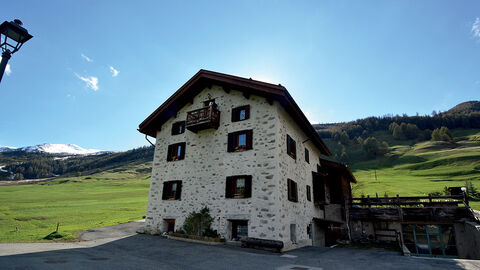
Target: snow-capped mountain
[(53, 148), (6, 148)]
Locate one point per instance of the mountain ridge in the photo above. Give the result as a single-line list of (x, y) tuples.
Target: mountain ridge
[(55, 148)]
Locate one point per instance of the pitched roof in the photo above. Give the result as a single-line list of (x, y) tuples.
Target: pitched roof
[(206, 78)]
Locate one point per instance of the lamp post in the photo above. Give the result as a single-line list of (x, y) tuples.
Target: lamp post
[(12, 37)]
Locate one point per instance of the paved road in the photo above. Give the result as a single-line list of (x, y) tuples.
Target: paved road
[(117, 247)]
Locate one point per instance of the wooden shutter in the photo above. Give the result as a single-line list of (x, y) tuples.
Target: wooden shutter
[(294, 148), (289, 184), (164, 192), (248, 186), (247, 112), (182, 151), (229, 187), (178, 195), (230, 143), (295, 191), (249, 139), (288, 145), (309, 196), (235, 115), (307, 156), (169, 153)]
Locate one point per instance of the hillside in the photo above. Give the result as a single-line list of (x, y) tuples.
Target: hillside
[(24, 164), (412, 158)]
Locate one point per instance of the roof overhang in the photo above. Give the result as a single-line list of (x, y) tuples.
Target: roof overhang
[(341, 168), (205, 78)]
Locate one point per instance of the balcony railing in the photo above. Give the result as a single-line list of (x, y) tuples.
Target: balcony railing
[(204, 118)]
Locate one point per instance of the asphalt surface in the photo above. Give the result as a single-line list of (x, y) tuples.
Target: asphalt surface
[(118, 247)]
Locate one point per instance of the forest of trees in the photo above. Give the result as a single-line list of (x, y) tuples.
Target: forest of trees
[(362, 134), (41, 165)]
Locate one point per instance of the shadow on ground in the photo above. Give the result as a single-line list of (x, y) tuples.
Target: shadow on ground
[(155, 252)]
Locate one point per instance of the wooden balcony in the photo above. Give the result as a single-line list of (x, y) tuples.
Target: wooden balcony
[(204, 118)]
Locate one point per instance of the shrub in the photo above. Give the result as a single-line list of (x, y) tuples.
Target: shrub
[(198, 223), (441, 134), (211, 233)]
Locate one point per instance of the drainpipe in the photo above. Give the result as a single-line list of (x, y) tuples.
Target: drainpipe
[(146, 138)]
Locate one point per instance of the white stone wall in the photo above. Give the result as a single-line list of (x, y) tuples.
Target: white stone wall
[(207, 164)]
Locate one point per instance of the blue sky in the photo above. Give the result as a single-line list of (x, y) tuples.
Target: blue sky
[(340, 60)]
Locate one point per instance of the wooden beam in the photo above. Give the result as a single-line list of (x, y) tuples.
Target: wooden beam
[(226, 89), (270, 100), (246, 94)]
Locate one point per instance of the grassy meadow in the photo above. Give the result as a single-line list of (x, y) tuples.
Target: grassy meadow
[(30, 212), (421, 168)]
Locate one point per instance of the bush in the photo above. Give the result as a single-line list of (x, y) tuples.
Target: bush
[(373, 147), (54, 235), (211, 233), (198, 223), (441, 134)]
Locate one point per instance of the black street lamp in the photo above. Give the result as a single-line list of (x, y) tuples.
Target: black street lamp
[(12, 37)]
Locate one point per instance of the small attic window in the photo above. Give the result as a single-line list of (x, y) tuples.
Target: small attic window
[(241, 113), (178, 128), (209, 102)]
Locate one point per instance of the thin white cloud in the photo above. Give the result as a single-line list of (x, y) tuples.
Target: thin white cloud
[(91, 82), (114, 71), (88, 59), (476, 28)]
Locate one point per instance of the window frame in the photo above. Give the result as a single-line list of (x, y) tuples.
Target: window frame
[(173, 150), (233, 141), (236, 113), (175, 128), (309, 193), (292, 190), (232, 185), (291, 147), (307, 155), (168, 194)]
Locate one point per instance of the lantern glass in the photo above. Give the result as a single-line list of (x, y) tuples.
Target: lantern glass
[(12, 36)]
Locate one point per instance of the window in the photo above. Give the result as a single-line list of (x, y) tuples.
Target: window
[(239, 229), (293, 233), (210, 102), (240, 141), (241, 113), (292, 191), (291, 147), (172, 190), (307, 155), (176, 152), (178, 128), (318, 188), (238, 186), (170, 224), (309, 194)]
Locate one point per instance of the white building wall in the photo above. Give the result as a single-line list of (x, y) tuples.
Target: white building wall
[(207, 164)]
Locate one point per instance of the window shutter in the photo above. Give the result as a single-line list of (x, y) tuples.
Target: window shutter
[(249, 139), (230, 142), (295, 191), (294, 148), (178, 195), (248, 186), (169, 153), (229, 187), (247, 112), (182, 151), (289, 184), (164, 192), (288, 144), (234, 115)]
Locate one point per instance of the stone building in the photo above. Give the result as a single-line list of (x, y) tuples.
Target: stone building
[(244, 149)]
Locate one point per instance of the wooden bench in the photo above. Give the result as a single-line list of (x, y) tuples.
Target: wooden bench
[(262, 243)]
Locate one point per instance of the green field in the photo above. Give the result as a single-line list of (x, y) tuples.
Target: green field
[(30, 212), (421, 168)]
